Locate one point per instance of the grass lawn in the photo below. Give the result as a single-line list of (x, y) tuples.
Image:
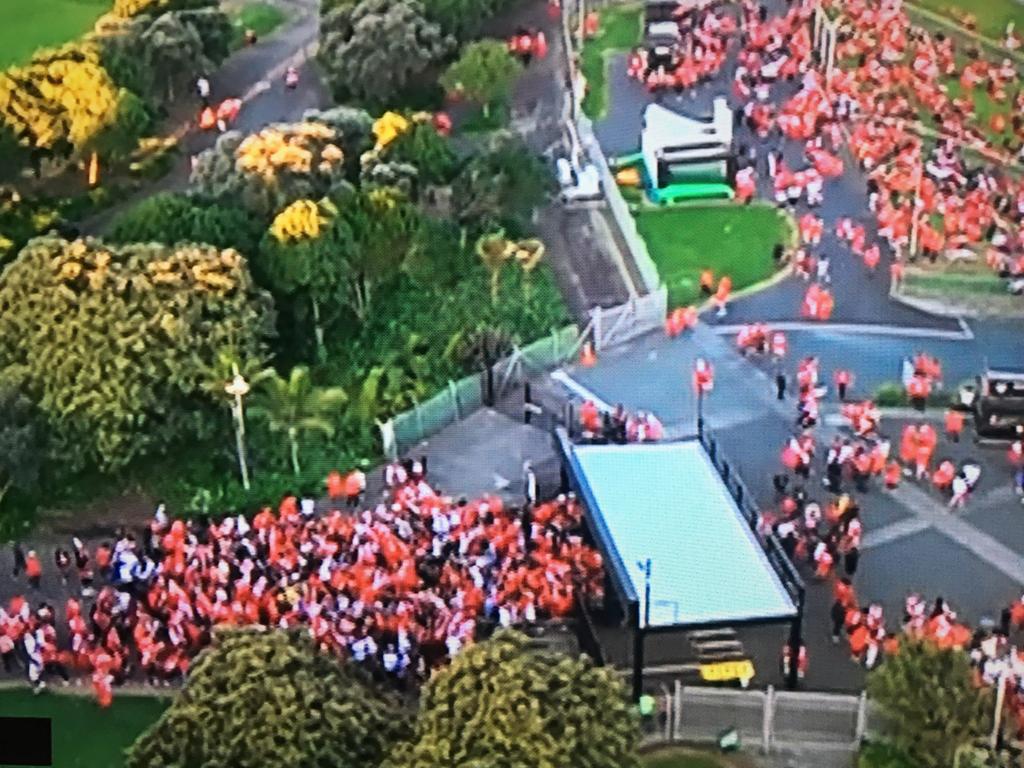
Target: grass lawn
[(732, 240), (261, 18), (683, 757), (966, 287), (620, 30), (85, 736), (992, 15), (26, 25)]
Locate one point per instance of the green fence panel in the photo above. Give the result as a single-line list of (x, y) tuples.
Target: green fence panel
[(469, 394), (407, 430), (437, 412)]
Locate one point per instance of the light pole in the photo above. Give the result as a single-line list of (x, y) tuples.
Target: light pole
[(238, 388), (645, 566)]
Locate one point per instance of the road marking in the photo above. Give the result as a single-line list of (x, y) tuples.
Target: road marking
[(866, 329), (993, 552), (894, 531), (579, 390)]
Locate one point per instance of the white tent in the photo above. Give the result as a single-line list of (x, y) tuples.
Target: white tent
[(668, 136)]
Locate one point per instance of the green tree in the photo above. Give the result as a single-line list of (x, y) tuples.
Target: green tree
[(375, 50), (484, 73), (427, 151), (462, 19), (173, 217), (214, 29), (383, 226), (294, 406), (21, 436), (266, 171), (299, 260), (502, 184), (260, 698), (173, 52), (60, 100), (931, 702), (503, 704), (115, 340)]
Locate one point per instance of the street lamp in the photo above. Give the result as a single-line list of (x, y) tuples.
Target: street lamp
[(645, 566), (238, 388)]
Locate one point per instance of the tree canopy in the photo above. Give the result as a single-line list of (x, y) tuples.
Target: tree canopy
[(502, 184), (484, 73), (128, 8), (259, 698), (268, 170), (21, 435), (172, 217), (374, 50), (62, 99), (460, 18), (503, 704), (114, 340), (931, 702)]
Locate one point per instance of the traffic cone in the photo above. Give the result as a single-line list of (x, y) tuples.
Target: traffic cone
[(587, 357)]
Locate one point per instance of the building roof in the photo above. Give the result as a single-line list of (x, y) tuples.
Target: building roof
[(667, 502)]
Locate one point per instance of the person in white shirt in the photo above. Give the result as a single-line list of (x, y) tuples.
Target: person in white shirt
[(307, 507)]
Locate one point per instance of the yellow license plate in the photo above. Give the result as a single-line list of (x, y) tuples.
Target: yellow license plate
[(727, 670)]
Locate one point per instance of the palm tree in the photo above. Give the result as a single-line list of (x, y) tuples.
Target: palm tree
[(528, 254), (294, 405), (494, 250)]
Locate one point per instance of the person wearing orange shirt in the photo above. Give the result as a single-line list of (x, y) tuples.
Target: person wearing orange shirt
[(954, 423), (33, 569), (722, 294), (707, 282), (893, 471)]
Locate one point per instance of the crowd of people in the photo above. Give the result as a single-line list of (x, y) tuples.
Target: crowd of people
[(618, 425), (401, 586)]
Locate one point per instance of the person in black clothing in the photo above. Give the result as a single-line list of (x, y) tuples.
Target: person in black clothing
[(838, 616), (780, 385), (19, 559), (850, 561)]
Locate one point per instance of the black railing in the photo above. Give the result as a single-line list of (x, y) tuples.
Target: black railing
[(780, 561)]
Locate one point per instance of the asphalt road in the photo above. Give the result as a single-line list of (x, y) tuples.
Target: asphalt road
[(860, 297)]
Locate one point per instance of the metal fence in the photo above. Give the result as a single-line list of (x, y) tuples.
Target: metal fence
[(774, 721), (621, 216), (461, 398), (627, 321)]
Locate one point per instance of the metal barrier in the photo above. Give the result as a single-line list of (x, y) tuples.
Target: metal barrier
[(627, 321), (777, 721), (461, 398)]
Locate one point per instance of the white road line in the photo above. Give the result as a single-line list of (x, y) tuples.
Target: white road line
[(865, 329), (894, 531), (579, 390)]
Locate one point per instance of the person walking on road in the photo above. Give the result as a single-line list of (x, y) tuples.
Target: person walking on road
[(203, 90)]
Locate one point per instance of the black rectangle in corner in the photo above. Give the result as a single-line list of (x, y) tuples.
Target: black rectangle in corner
[(25, 741)]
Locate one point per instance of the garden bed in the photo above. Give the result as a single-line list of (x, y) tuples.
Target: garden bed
[(971, 289), (620, 31), (728, 239), (85, 736), (687, 757), (261, 18), (992, 16)]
